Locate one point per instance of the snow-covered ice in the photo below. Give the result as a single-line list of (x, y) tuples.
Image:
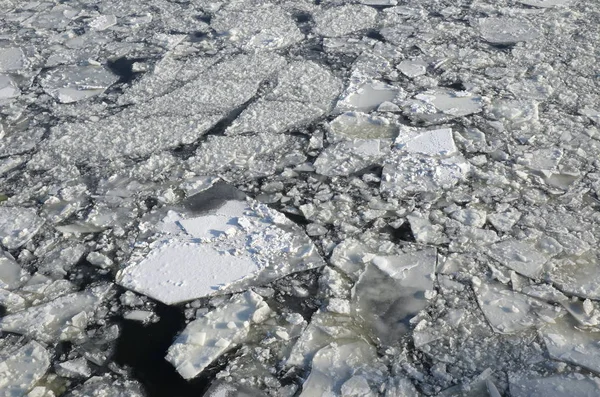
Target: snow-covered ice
[(25, 366)]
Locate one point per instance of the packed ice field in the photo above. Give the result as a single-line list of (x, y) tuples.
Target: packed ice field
[(254, 198)]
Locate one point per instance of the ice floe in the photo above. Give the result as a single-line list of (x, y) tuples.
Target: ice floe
[(25, 366), (505, 30), (226, 249), (572, 385), (64, 318), (18, 225), (208, 337)]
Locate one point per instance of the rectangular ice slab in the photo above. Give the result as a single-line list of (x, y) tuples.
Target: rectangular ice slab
[(23, 369), (206, 338)]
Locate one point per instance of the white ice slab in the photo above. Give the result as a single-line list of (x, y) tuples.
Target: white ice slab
[(507, 30), (18, 225), (438, 105), (74, 83), (205, 339), (569, 385), (432, 143), (227, 249), (179, 271), (573, 345), (520, 256), (411, 68), (64, 318), (333, 368), (76, 368), (23, 369)]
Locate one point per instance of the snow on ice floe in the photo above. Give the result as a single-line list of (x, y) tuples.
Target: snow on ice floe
[(225, 249), (507, 30), (64, 318), (567, 385), (69, 84), (25, 366), (18, 225), (208, 337)]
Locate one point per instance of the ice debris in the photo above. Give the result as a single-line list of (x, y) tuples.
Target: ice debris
[(208, 337), (64, 318), (338, 21)]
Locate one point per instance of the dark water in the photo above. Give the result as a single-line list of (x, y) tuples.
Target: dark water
[(143, 348)]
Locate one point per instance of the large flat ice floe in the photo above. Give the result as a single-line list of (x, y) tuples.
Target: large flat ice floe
[(208, 337), (230, 246)]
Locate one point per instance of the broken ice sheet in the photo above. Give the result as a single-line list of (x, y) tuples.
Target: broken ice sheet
[(12, 275), (366, 96), (69, 84), (25, 366), (18, 225), (507, 30), (64, 318), (336, 370), (226, 247), (392, 290), (567, 342), (208, 337), (568, 385), (508, 311)]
